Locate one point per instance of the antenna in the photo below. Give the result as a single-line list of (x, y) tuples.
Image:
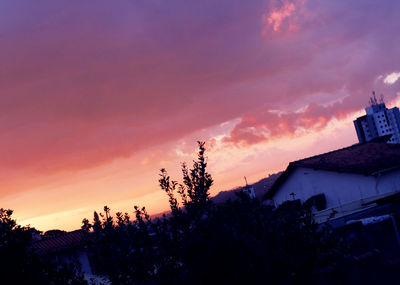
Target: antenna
[(245, 179), (373, 100), (381, 101)]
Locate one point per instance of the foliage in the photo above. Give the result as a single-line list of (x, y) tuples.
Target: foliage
[(198, 243), (195, 189)]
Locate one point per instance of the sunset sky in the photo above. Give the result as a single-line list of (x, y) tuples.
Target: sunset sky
[(97, 96)]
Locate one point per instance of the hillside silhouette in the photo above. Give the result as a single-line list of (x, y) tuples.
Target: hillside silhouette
[(260, 188)]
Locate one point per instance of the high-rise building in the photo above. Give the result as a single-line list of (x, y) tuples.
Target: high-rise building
[(378, 122)]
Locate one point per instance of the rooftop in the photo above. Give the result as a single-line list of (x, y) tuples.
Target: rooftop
[(365, 159), (58, 243)]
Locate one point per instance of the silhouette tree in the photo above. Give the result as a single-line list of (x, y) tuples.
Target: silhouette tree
[(195, 189), (169, 186)]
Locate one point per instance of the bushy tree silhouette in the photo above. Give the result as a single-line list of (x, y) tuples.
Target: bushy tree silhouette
[(195, 189)]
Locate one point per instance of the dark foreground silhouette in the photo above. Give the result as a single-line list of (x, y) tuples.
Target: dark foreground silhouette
[(241, 241)]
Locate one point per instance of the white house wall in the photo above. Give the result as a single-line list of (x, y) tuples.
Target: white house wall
[(390, 180), (339, 188)]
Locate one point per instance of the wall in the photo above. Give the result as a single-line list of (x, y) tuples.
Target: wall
[(339, 188)]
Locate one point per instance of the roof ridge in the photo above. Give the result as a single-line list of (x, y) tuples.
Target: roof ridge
[(329, 152)]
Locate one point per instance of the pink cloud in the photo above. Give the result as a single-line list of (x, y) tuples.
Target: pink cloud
[(285, 13), (267, 126)]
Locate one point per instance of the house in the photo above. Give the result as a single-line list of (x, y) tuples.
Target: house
[(352, 175), (63, 247), (67, 247)]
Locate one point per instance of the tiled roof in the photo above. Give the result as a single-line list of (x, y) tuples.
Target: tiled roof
[(58, 243), (366, 159)]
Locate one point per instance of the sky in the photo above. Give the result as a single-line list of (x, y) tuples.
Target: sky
[(97, 96)]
